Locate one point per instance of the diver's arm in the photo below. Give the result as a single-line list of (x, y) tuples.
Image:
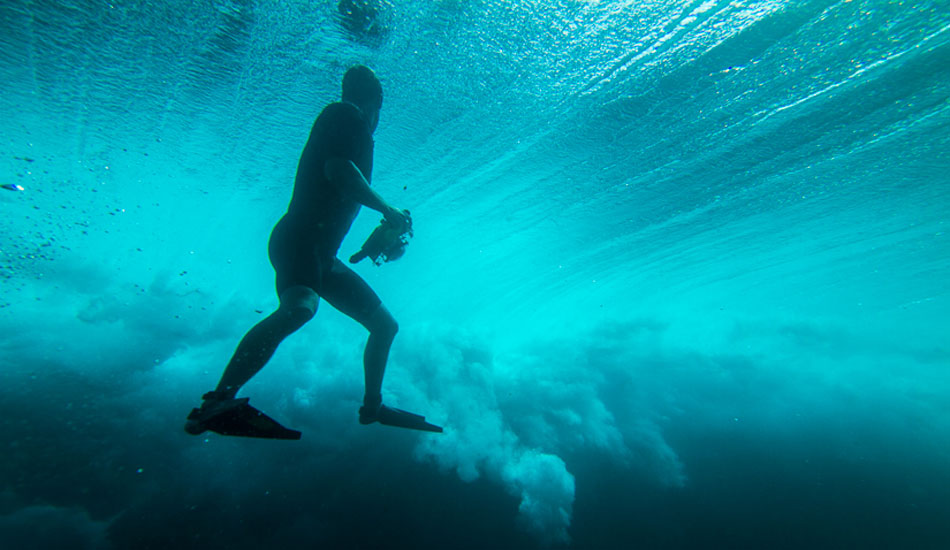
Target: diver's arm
[(348, 178)]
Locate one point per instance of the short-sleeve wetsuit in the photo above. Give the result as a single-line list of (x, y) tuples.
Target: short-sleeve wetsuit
[(304, 243)]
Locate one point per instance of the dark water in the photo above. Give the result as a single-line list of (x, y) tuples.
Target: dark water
[(679, 277)]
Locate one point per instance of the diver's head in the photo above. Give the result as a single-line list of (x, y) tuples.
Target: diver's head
[(363, 89)]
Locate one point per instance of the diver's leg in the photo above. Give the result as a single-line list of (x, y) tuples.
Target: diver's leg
[(382, 330), (348, 292), (297, 306)]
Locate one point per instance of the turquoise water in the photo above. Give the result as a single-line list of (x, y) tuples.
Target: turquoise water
[(679, 276)]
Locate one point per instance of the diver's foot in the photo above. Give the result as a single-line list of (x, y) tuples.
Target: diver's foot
[(214, 403), (370, 413)]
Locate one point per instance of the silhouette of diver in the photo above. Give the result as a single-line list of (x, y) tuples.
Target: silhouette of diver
[(332, 183)]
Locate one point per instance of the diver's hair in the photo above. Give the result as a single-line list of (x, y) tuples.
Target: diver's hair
[(361, 86)]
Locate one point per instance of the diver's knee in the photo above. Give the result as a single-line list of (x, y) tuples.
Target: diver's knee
[(298, 315), (300, 303), (383, 323), (393, 326)]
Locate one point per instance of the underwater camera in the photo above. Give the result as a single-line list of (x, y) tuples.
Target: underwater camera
[(385, 244)]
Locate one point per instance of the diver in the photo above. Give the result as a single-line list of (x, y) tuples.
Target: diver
[(332, 184)]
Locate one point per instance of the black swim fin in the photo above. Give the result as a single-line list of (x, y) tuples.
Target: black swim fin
[(390, 416), (238, 418)]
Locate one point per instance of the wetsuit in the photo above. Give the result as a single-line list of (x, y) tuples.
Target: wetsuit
[(304, 243)]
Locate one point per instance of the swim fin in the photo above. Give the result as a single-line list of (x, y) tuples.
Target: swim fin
[(236, 417), (390, 416)]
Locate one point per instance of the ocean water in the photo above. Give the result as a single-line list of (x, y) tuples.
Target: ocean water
[(680, 275)]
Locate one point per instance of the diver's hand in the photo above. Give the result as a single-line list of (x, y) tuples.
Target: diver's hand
[(399, 219)]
